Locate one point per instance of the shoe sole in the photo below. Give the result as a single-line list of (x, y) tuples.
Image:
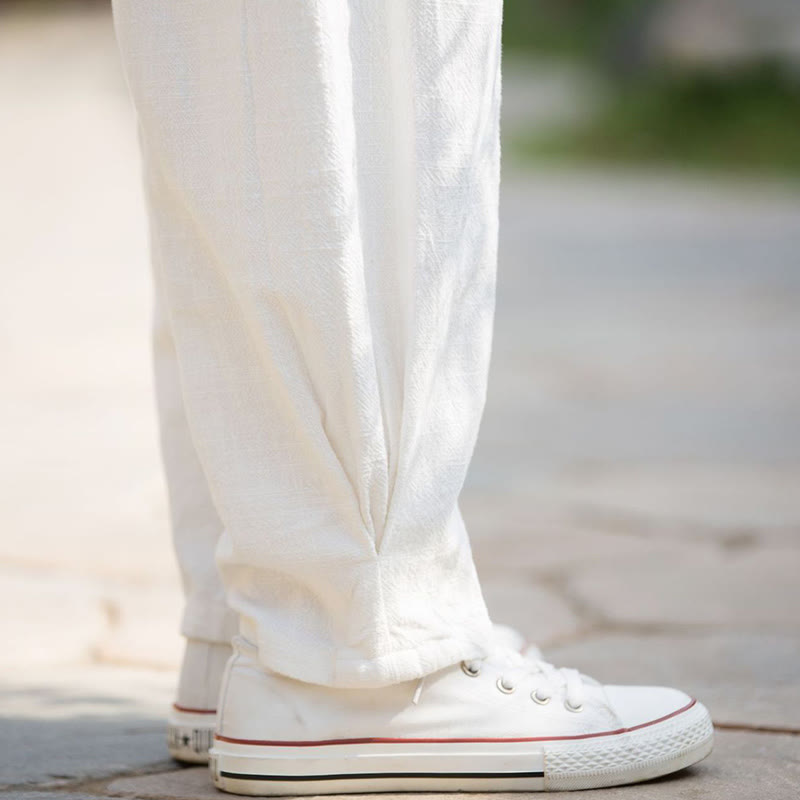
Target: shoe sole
[(190, 734), (464, 765)]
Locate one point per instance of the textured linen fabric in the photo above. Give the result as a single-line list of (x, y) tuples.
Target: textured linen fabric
[(196, 526), (322, 180)]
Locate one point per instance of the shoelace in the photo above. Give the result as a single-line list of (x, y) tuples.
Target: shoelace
[(548, 679)]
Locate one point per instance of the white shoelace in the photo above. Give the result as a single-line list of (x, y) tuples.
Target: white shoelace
[(548, 680)]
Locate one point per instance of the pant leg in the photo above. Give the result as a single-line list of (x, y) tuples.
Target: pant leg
[(196, 526), (322, 180)]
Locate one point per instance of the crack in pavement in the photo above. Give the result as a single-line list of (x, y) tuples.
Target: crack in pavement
[(96, 786), (742, 727), (649, 527)]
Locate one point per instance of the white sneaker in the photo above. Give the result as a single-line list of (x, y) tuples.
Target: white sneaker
[(505, 723), (193, 716)]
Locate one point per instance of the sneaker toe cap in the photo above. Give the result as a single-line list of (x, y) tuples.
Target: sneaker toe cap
[(639, 705)]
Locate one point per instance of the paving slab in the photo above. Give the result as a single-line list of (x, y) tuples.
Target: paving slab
[(750, 590), (25, 794), (742, 766), (142, 613), (721, 501), (63, 724), (36, 640), (82, 482), (132, 623), (749, 679), (726, 504), (529, 545), (537, 612), (184, 784), (646, 323)]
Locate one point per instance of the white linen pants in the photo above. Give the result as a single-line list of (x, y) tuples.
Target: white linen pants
[(322, 181)]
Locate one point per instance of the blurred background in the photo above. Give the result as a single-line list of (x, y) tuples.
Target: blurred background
[(635, 496)]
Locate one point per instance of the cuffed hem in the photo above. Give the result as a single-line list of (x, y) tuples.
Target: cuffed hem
[(347, 672), (209, 620), (389, 618)]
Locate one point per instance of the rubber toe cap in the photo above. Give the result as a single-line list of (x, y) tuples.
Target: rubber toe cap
[(639, 705)]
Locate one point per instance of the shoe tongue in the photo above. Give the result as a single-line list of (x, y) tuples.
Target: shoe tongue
[(533, 653), (505, 636), (504, 656)]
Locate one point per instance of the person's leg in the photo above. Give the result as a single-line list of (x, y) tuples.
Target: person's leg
[(207, 624), (323, 180), (323, 191), (195, 524)]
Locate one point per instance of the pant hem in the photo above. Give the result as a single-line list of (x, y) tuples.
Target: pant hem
[(390, 668)]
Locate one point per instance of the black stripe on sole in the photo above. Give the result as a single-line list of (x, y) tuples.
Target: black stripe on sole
[(377, 775)]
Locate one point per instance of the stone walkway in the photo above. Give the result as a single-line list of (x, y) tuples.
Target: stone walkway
[(634, 499)]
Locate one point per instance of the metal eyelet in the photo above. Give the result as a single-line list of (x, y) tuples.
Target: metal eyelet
[(471, 672), (572, 708), (503, 688), (542, 701)]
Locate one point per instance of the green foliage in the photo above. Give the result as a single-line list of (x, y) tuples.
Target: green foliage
[(578, 28), (740, 121)]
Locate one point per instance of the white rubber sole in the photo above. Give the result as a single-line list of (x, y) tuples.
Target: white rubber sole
[(190, 734), (414, 765)]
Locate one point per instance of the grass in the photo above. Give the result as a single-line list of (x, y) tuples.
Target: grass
[(583, 29), (746, 121)]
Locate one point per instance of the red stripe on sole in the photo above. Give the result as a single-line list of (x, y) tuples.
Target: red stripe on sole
[(194, 710), (378, 740)]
